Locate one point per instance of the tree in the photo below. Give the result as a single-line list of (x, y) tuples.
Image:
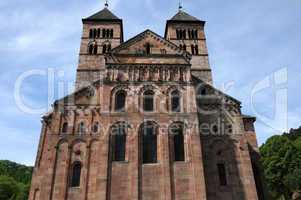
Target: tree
[(9, 189), (281, 159)]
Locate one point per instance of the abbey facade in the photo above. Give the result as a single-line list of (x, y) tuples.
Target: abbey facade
[(145, 122)]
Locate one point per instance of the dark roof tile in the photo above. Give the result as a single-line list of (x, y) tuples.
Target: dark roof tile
[(104, 14)]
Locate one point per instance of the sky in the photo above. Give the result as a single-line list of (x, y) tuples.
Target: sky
[(254, 51)]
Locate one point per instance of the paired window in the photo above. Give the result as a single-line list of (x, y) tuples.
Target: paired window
[(222, 174), (120, 99), (76, 173), (192, 34), (118, 141), (106, 48), (96, 33), (149, 142), (107, 33), (148, 101), (194, 49), (177, 134), (181, 34), (175, 100), (92, 49)]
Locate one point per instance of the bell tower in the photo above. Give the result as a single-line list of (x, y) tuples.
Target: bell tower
[(188, 33), (102, 32)]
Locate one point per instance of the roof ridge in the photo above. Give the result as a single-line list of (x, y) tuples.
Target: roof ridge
[(104, 14)]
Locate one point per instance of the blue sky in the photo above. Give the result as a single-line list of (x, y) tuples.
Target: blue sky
[(254, 48)]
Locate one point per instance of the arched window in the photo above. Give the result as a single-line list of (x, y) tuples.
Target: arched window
[(196, 47), (95, 49), (90, 49), (177, 134), (184, 34), (104, 48), (222, 174), (196, 34), (81, 128), (148, 101), (65, 128), (95, 33), (107, 33), (184, 47), (192, 49), (109, 47), (91, 33), (103, 33), (120, 99), (149, 143), (178, 34), (148, 48), (76, 173), (98, 33), (95, 127), (111, 33), (175, 100), (118, 141)]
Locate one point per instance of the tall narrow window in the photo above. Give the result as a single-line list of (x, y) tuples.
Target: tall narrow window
[(95, 49), (184, 34), (118, 139), (178, 142), (109, 47), (91, 33), (148, 101), (178, 34), (175, 101), (65, 128), (76, 173), (192, 49), (184, 47), (120, 100), (148, 48), (149, 143), (108, 33), (111, 33), (222, 174), (103, 33), (104, 48), (81, 128), (90, 49), (98, 33), (196, 47), (196, 34), (94, 33)]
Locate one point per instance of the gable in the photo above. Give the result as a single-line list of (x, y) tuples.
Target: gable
[(159, 46)]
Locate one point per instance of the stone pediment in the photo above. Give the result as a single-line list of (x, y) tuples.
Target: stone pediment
[(161, 50)]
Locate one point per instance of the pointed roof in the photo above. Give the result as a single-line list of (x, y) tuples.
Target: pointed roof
[(103, 15), (183, 16)]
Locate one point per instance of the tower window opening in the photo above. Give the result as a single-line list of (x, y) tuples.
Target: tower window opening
[(192, 49), (104, 48), (76, 173), (103, 33), (222, 174), (98, 33), (184, 47), (91, 33), (111, 33)]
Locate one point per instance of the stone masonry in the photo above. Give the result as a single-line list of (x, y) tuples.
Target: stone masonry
[(80, 158)]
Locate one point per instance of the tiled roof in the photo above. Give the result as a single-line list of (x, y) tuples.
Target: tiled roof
[(104, 14), (183, 16)]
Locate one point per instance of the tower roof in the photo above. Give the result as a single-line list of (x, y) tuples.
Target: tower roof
[(182, 16), (103, 15)]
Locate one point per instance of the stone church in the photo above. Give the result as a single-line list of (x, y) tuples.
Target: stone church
[(145, 122)]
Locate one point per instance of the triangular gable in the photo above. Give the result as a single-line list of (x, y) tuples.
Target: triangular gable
[(159, 46)]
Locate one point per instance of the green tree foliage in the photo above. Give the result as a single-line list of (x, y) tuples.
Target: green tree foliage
[(14, 181), (281, 159)]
